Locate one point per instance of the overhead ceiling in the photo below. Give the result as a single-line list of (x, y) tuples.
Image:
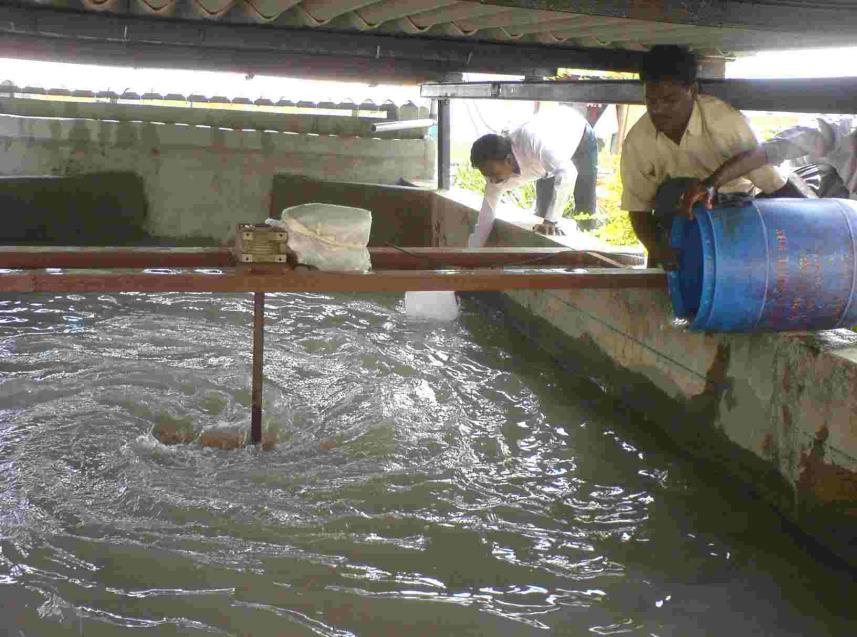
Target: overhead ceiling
[(434, 34)]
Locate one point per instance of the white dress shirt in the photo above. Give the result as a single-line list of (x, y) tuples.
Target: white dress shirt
[(543, 147), (831, 142)]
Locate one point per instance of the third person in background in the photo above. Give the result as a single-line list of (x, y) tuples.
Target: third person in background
[(829, 145)]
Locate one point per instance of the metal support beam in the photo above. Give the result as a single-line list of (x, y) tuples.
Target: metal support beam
[(444, 139), (383, 258), (814, 95), (280, 279), (31, 257), (47, 33), (258, 357), (836, 17)]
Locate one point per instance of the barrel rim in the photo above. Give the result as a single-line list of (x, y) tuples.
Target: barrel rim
[(843, 208)]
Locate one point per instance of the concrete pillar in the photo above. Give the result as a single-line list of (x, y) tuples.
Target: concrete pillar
[(444, 136), (444, 165)]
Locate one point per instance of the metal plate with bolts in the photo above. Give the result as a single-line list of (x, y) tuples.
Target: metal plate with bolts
[(260, 243)]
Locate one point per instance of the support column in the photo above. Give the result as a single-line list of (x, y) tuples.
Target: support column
[(444, 165), (444, 135), (258, 356)]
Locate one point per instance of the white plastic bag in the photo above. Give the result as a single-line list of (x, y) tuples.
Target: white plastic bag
[(431, 306), (327, 236)]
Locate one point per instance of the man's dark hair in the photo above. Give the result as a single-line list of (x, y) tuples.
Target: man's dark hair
[(669, 62), (488, 147)]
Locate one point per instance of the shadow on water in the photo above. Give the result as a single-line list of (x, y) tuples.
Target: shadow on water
[(428, 480)]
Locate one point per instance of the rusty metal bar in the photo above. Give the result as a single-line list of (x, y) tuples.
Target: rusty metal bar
[(258, 357), (113, 257), (280, 279), (383, 258)]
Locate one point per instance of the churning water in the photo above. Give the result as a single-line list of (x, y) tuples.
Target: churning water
[(429, 480)]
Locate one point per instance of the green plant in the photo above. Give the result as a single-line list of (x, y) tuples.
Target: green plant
[(468, 178), (615, 224)]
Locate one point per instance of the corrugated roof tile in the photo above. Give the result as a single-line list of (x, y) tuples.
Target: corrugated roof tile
[(452, 13), (323, 11), (457, 18), (387, 10)]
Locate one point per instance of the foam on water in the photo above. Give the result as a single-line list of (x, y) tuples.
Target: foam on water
[(430, 479)]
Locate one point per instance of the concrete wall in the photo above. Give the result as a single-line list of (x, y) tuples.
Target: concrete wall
[(199, 181), (779, 411), (400, 215)]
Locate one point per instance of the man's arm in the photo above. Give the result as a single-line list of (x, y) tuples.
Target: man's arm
[(639, 187), (792, 143), (487, 213), (644, 227), (735, 136), (731, 169), (738, 166)]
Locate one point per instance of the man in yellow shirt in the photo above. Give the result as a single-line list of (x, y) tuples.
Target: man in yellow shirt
[(682, 138)]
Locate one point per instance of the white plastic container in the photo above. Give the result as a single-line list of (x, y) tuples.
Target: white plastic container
[(431, 306)]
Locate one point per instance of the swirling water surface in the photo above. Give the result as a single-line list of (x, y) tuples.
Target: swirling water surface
[(428, 480)]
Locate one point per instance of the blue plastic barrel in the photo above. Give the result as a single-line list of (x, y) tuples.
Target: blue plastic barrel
[(771, 265)]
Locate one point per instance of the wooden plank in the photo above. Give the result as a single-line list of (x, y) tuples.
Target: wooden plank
[(278, 279)]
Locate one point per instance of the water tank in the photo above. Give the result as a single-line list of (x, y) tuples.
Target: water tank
[(769, 265)]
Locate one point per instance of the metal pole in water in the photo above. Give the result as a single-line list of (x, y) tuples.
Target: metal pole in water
[(258, 353)]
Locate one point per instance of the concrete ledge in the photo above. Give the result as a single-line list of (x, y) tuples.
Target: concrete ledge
[(229, 115), (83, 131), (777, 411)]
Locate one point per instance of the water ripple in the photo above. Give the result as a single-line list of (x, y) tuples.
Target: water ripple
[(426, 480)]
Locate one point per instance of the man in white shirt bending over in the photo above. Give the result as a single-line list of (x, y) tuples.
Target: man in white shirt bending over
[(557, 150)]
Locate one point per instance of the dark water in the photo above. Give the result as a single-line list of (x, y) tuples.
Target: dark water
[(430, 480)]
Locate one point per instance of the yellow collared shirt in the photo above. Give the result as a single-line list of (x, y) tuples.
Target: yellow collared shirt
[(716, 132)]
